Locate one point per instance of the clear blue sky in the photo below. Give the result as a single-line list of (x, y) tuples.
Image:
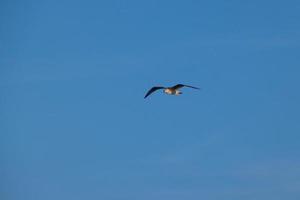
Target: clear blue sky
[(74, 124)]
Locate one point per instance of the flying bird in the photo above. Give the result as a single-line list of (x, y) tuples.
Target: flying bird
[(174, 90)]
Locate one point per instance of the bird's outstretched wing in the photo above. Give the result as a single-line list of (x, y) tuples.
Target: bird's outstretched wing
[(153, 90), (181, 85)]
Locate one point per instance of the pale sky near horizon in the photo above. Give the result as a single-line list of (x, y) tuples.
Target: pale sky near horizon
[(74, 123)]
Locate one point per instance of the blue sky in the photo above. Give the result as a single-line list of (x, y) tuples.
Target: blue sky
[(74, 124)]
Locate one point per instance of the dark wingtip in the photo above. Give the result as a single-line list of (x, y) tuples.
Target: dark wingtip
[(192, 87)]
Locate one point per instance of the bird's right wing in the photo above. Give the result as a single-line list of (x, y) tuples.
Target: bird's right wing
[(153, 90), (181, 85)]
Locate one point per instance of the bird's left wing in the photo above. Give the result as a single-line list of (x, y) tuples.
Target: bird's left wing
[(153, 90), (181, 85)]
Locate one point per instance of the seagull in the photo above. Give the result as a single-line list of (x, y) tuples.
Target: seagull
[(174, 90)]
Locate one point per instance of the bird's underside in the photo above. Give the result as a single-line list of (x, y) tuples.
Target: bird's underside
[(174, 90)]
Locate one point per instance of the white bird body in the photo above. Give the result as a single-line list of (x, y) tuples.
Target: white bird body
[(171, 91)]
